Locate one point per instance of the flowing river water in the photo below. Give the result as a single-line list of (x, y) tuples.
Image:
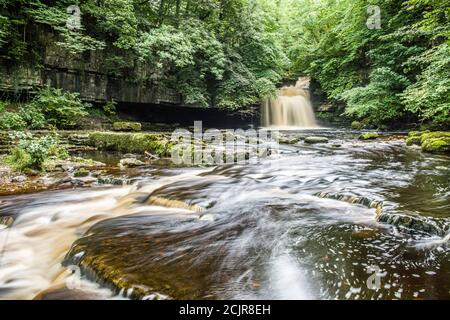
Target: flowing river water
[(262, 232)]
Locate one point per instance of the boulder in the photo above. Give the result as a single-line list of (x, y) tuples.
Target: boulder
[(356, 125), (369, 136), (81, 173), (19, 179), (6, 222), (127, 126), (131, 142), (434, 142), (313, 140), (131, 163)]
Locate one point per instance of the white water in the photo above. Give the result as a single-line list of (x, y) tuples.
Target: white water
[(291, 108), (32, 250)]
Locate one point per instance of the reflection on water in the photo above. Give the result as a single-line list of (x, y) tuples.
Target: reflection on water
[(262, 233)]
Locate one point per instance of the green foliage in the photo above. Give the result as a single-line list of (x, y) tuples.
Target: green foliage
[(214, 52), (3, 106), (398, 72), (11, 121), (429, 97), (110, 109), (33, 117), (377, 102), (31, 152), (61, 109)]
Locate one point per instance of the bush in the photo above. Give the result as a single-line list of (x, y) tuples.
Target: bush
[(110, 108), (31, 152), (61, 109), (34, 118), (3, 106), (12, 121)]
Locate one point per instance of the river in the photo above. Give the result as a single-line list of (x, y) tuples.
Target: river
[(262, 232)]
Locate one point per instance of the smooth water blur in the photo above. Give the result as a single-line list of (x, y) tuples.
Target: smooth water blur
[(263, 234), (291, 108)]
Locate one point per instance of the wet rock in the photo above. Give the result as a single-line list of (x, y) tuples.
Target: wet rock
[(112, 181), (80, 173), (61, 292), (434, 226), (436, 142), (19, 179), (433, 142), (130, 156), (127, 126), (356, 125), (414, 138), (314, 140), (6, 222), (154, 260), (131, 163), (369, 136), (156, 144), (283, 139), (71, 164)]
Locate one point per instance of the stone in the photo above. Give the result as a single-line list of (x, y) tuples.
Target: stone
[(328, 107), (131, 142), (131, 163), (436, 142), (127, 126), (356, 125), (80, 173), (313, 140), (414, 138), (6, 222), (19, 179), (369, 136)]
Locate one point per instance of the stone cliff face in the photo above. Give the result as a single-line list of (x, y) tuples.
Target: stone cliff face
[(85, 74)]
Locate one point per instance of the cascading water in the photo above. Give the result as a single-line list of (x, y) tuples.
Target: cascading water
[(291, 108)]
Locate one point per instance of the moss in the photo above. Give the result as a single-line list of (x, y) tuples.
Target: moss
[(131, 142), (127, 126), (436, 145), (434, 135), (356, 125), (369, 136), (435, 142), (79, 173)]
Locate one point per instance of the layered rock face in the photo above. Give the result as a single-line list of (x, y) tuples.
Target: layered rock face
[(85, 74)]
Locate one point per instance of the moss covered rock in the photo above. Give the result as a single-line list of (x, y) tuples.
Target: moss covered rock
[(81, 173), (356, 125), (369, 136), (127, 126), (314, 140), (414, 137), (435, 142), (156, 144)]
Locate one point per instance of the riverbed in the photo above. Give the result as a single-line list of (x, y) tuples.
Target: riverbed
[(242, 231)]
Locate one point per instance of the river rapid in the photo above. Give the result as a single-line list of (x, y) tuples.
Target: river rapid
[(243, 231)]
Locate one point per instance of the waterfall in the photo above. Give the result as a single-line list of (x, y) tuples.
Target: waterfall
[(291, 108)]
